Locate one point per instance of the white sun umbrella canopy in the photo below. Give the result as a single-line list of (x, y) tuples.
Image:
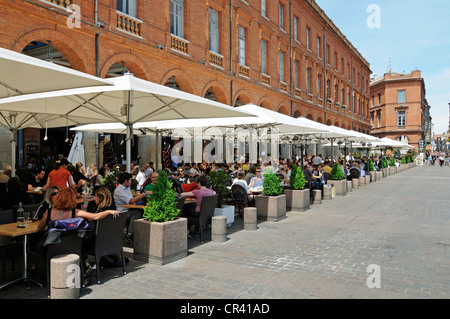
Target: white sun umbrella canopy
[(264, 124), (127, 101), (20, 75)]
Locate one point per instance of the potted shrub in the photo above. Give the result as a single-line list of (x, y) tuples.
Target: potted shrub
[(392, 166), (384, 166), (161, 236), (218, 181), (271, 205), (373, 175), (297, 197), (338, 180)]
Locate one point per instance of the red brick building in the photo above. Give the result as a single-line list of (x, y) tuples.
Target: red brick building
[(284, 55), (399, 108)]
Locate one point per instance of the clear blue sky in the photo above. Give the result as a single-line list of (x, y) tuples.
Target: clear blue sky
[(410, 34)]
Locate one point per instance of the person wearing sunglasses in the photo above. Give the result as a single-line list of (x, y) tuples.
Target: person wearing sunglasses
[(46, 203)]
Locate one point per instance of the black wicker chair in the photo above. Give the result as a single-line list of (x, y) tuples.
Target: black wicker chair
[(208, 205), (239, 197), (12, 249), (108, 240)]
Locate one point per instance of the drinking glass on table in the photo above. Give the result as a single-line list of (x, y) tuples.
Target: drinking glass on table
[(26, 217)]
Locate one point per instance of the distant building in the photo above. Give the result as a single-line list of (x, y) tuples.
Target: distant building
[(399, 109)]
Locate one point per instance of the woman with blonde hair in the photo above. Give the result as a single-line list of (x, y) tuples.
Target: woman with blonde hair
[(103, 199), (64, 207), (47, 201)]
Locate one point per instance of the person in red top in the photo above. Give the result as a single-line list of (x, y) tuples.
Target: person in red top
[(60, 176), (198, 194)]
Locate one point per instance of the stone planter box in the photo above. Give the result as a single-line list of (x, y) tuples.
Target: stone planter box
[(367, 179), (271, 208), (160, 243), (340, 187), (379, 175), (373, 176), (298, 200), (393, 170), (227, 211)]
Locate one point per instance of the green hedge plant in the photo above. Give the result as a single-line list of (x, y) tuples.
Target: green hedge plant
[(297, 179), (218, 182), (336, 173), (272, 185), (371, 166), (161, 205), (392, 162)]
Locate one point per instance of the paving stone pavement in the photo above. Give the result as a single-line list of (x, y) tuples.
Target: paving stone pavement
[(399, 224)]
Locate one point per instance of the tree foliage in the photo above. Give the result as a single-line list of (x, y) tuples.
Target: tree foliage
[(336, 173), (271, 185)]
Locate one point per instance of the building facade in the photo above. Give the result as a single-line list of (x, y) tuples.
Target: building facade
[(399, 109), (283, 55)]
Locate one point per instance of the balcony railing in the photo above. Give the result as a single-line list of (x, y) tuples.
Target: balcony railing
[(283, 86), (244, 70), (61, 3), (265, 79), (215, 59), (179, 44), (128, 23)]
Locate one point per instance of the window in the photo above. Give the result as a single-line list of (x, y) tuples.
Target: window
[(373, 101), (296, 74), (343, 96), (319, 84), (373, 120), (342, 66), (379, 119), (281, 15), (177, 17), (295, 28), (379, 98), (328, 88), (213, 30), (263, 8), (264, 56), (335, 60), (281, 66), (327, 53), (336, 94), (127, 6), (242, 59), (401, 96), (319, 51), (308, 80), (401, 118), (308, 44)]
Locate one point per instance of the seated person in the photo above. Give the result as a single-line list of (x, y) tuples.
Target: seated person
[(37, 180), (193, 210), (241, 181), (182, 177), (258, 180), (318, 177)]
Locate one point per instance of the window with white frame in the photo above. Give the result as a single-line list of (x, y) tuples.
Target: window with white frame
[(281, 16), (241, 43), (295, 28), (308, 44), (263, 56), (281, 66), (319, 47), (177, 17), (401, 96), (308, 80), (401, 118), (214, 30), (127, 6), (319, 84), (263, 8), (296, 74)]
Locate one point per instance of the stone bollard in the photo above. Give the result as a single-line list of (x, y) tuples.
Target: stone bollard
[(317, 197), (250, 218), (65, 277), (355, 183), (219, 229), (327, 192), (349, 186), (362, 181)]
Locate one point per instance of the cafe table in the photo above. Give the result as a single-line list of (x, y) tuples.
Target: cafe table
[(13, 231)]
